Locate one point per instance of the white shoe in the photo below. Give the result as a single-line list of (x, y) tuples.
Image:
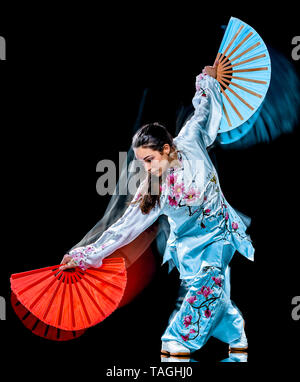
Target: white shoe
[(236, 357), (174, 348), (239, 345)]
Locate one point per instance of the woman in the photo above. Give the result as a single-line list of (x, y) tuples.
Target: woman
[(205, 230)]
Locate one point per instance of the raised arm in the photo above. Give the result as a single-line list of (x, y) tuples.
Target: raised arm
[(130, 225), (203, 126)]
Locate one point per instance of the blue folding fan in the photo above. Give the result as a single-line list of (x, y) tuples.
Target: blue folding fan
[(244, 74)]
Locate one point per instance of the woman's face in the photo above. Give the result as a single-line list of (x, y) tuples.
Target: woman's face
[(153, 160)]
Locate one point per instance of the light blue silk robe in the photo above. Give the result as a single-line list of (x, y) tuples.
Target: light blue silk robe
[(205, 231), (197, 210)]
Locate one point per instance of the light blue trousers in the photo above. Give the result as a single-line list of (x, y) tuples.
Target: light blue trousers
[(204, 308)]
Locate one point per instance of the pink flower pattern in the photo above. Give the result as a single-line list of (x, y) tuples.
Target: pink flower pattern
[(207, 313), (217, 280), (80, 254), (171, 179), (178, 190), (172, 201), (187, 320), (185, 337), (235, 225), (205, 291), (192, 299), (202, 303), (178, 193), (191, 195)]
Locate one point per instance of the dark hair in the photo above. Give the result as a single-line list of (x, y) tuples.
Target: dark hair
[(153, 136)]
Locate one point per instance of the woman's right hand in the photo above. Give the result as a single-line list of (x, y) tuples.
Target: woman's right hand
[(67, 262)]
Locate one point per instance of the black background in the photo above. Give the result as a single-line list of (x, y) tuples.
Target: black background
[(70, 91)]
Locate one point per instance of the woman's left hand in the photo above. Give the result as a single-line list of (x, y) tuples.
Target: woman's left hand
[(211, 70)]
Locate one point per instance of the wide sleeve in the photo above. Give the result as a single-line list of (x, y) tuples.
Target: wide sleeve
[(130, 225), (204, 124)]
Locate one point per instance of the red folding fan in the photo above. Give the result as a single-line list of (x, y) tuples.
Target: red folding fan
[(72, 299), (60, 305), (38, 327)]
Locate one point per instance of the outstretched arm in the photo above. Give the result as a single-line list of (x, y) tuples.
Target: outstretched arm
[(204, 124), (130, 225)]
